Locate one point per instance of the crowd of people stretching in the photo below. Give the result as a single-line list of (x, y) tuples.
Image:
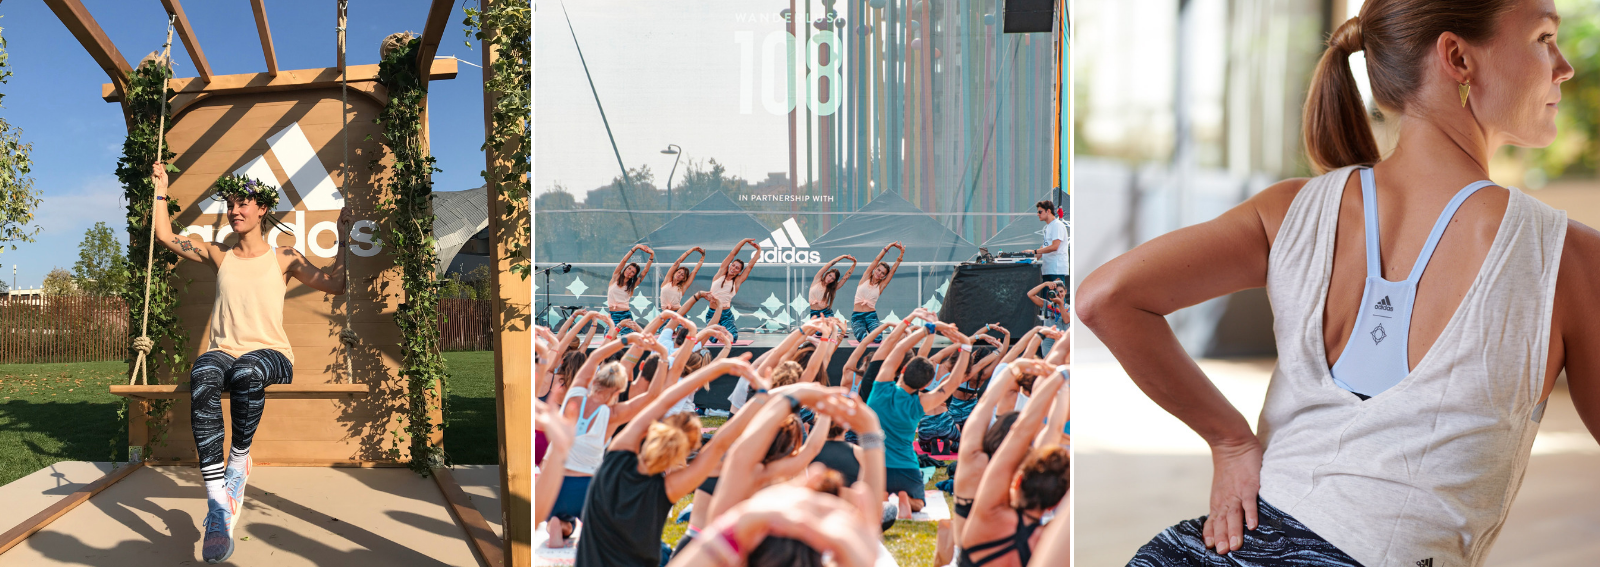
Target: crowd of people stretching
[(810, 467)]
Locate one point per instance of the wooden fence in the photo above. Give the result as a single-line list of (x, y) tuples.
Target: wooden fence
[(466, 325), (39, 330)]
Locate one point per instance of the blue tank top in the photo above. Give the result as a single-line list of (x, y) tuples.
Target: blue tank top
[(1376, 356)]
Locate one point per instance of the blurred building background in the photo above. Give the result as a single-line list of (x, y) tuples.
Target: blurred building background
[(1185, 108), (1182, 110)]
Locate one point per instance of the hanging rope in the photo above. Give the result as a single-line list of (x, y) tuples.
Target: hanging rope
[(143, 344), (347, 336)]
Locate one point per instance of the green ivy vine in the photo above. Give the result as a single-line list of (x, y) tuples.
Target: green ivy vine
[(507, 26), (407, 233), (146, 86)]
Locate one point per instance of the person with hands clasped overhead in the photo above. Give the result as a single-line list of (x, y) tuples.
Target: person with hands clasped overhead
[(643, 472), (247, 348), (590, 404), (827, 283), (823, 522), (730, 275), (624, 279), (1020, 483), (1051, 299), (678, 280), (901, 407)]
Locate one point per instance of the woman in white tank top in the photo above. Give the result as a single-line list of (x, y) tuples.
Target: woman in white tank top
[(864, 316), (247, 348), (624, 279), (592, 407), (1414, 361), (730, 275), (678, 280)]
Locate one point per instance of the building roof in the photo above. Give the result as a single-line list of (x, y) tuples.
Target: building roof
[(457, 216)]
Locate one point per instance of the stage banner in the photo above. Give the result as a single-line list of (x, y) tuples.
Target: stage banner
[(815, 128)]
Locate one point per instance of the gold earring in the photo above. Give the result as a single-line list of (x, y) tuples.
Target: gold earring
[(1464, 88)]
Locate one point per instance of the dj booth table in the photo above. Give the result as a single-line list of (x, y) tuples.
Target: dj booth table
[(980, 294)]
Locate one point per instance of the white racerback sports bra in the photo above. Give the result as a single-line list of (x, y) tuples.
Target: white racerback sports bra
[(1376, 356), (1424, 472)]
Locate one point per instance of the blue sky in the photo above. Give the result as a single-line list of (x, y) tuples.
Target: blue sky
[(54, 96)]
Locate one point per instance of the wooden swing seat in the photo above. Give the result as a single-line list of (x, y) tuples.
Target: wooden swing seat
[(274, 391)]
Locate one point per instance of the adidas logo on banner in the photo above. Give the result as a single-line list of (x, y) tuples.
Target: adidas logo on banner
[(788, 236), (311, 181), (1384, 304)]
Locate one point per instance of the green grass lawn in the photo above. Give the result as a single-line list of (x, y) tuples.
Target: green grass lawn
[(64, 412), (911, 543)]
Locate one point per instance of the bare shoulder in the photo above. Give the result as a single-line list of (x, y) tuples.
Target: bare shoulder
[(1271, 205), (290, 258), (1580, 259)]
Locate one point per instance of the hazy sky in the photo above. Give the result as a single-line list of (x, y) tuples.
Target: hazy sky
[(666, 73), (54, 97)]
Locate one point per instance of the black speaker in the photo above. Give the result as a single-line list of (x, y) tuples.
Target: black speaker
[(980, 294), (1030, 16)]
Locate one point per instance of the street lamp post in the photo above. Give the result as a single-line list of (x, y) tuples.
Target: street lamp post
[(672, 149)]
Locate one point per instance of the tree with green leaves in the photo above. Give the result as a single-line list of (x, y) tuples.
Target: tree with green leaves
[(17, 197), (102, 269), (59, 283)]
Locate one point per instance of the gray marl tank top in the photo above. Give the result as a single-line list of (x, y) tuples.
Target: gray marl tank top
[(1428, 468)]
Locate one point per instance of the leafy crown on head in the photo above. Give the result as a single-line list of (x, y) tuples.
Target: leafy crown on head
[(242, 187)]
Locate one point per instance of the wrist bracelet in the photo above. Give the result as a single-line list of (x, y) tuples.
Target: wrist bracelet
[(966, 348), (727, 549), (871, 440), (760, 391)]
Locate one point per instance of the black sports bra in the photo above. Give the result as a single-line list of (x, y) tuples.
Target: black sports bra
[(1017, 541)]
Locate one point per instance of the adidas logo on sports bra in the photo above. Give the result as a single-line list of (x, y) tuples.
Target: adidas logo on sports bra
[(1425, 562), (1384, 304)]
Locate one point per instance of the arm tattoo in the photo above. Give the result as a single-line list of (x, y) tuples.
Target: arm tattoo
[(184, 243)]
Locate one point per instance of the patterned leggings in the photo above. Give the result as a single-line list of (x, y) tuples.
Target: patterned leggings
[(726, 321), (1278, 540), (245, 379)]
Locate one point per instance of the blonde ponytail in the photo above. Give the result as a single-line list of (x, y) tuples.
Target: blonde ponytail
[(669, 442)]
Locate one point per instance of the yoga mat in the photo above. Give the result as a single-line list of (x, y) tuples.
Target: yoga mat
[(933, 509), (546, 557)]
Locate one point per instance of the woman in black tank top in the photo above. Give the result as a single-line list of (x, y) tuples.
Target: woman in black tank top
[(840, 456), (1020, 483)]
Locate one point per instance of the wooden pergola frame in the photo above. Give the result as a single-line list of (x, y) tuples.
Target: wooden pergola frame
[(513, 342)]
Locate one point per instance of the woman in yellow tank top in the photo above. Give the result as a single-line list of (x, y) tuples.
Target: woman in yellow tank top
[(247, 349)]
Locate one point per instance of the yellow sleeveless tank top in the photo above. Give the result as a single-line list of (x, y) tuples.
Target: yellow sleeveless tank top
[(248, 313)]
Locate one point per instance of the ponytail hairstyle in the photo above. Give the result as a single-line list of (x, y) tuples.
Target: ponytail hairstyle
[(610, 376), (1043, 478), (998, 431), (786, 441), (803, 354), (1397, 36), (669, 442), (570, 363), (695, 362), (787, 373)]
